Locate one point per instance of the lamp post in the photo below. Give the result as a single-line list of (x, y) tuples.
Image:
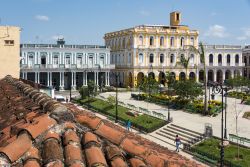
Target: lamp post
[(225, 130), (169, 82), (116, 97), (219, 89)]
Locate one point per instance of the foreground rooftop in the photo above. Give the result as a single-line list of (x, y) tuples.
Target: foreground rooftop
[(36, 130)]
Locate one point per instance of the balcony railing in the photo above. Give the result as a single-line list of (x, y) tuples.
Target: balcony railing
[(67, 66)]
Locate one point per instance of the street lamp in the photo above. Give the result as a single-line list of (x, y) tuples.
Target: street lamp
[(219, 89), (169, 82)]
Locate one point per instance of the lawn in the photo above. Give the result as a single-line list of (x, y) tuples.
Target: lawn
[(143, 122), (212, 147)]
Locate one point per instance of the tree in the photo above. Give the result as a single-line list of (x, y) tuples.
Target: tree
[(111, 100), (184, 62), (187, 90), (149, 84), (91, 87), (201, 52), (83, 92)]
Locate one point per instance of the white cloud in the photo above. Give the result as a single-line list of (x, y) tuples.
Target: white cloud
[(246, 34), (144, 13), (56, 37), (42, 17), (217, 31)]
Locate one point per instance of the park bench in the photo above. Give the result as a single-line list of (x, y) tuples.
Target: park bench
[(241, 139)]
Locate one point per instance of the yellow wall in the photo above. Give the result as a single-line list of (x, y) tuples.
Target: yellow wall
[(9, 54)]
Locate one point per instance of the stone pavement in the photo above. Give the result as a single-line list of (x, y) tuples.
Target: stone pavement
[(197, 122)]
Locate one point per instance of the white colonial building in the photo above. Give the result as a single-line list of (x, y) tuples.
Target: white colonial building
[(246, 58), (223, 62), (63, 66)]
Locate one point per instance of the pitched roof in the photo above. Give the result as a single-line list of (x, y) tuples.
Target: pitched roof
[(38, 131)]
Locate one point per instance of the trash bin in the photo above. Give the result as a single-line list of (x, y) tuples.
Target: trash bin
[(208, 130)]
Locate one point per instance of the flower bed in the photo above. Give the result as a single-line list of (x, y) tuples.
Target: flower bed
[(174, 102)]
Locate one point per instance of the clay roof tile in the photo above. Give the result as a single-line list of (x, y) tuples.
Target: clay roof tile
[(54, 164), (69, 125), (133, 147), (91, 122), (18, 147), (70, 136), (135, 162), (111, 134), (95, 157), (31, 163), (72, 153), (89, 137), (40, 125), (53, 135), (118, 162), (32, 153)]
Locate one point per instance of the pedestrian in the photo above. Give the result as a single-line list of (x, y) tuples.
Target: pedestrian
[(128, 124), (177, 142), (67, 100)]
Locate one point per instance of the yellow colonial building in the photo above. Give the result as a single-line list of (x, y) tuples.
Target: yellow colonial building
[(153, 50), (9, 51)]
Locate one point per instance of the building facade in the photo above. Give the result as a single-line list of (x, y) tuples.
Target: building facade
[(9, 51), (246, 59), (65, 66), (152, 50), (222, 62), (156, 49)]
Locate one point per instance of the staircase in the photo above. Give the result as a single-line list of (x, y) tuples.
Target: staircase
[(168, 133)]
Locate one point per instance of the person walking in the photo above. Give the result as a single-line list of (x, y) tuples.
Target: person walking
[(128, 125), (178, 143)]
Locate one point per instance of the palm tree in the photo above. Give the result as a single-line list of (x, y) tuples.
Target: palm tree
[(184, 62), (201, 52)]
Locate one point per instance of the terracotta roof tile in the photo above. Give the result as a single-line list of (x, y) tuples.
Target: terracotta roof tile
[(135, 162), (53, 135), (18, 147), (90, 138), (109, 133), (72, 153), (31, 163), (70, 136), (40, 125), (35, 125), (91, 121), (95, 157), (52, 151)]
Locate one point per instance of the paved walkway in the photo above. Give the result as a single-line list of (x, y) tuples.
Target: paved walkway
[(197, 122)]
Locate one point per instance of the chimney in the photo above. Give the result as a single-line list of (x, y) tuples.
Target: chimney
[(175, 18)]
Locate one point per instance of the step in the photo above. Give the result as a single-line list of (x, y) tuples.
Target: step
[(184, 132), (181, 134), (197, 133), (173, 136), (168, 140)]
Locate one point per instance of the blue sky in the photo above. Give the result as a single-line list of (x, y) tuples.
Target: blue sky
[(86, 21)]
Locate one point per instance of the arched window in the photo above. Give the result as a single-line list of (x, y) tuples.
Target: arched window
[(172, 41), (151, 41), (219, 58), (237, 59), (161, 41), (182, 41), (211, 58), (172, 58), (161, 58), (140, 40), (191, 59), (228, 59), (245, 60), (192, 41), (140, 58), (151, 58)]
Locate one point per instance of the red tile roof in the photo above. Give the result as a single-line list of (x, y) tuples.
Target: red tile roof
[(38, 131)]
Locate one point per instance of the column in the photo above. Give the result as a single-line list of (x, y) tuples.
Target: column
[(86, 78), (215, 75), (72, 78), (108, 79), (74, 81), (26, 75), (97, 78), (22, 75), (48, 79), (223, 75), (35, 77), (62, 80)]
